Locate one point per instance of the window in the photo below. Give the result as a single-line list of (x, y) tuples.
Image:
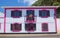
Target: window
[(30, 27), (16, 27), (16, 13), (44, 13), (30, 15), (44, 27), (30, 12)]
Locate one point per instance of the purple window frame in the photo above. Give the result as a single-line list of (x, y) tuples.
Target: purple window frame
[(12, 28), (32, 17), (43, 28), (30, 28), (46, 14), (16, 16)]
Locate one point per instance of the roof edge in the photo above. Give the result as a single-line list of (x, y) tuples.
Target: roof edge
[(29, 6)]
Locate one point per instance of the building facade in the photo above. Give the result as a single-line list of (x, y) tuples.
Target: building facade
[(29, 20)]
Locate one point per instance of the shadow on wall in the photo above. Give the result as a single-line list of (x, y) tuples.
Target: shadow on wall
[(58, 25)]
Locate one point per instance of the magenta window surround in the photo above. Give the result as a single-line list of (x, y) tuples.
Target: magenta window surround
[(16, 13), (44, 13), (44, 26), (16, 27), (30, 27)]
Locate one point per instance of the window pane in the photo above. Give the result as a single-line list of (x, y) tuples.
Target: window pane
[(30, 14), (16, 13), (44, 27), (44, 13), (16, 27), (30, 27)]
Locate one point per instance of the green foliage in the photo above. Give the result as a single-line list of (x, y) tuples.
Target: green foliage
[(47, 3), (58, 12), (56, 4), (37, 3), (41, 2)]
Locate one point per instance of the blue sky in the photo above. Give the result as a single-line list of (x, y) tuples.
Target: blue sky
[(15, 3)]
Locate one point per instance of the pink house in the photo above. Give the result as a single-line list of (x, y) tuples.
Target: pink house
[(40, 19)]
